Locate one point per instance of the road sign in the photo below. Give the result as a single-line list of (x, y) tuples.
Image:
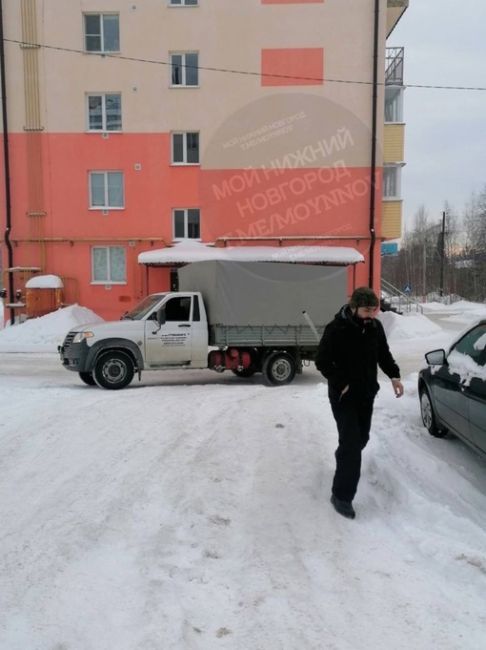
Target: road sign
[(389, 248), (407, 289)]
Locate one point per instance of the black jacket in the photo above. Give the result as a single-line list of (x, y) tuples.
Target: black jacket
[(350, 352)]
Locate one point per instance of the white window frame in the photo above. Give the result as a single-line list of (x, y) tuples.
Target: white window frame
[(102, 50), (186, 224), (183, 83), (398, 183), (104, 128), (399, 99), (106, 193), (108, 281), (184, 149), (182, 3)]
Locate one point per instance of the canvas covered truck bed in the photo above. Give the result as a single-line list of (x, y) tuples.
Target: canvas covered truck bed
[(261, 303)]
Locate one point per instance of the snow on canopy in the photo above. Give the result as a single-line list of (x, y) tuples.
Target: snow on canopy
[(194, 251), (44, 282)]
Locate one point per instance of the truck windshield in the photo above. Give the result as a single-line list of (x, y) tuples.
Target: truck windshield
[(144, 307)]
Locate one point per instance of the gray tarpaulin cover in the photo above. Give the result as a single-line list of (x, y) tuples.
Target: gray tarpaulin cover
[(266, 293)]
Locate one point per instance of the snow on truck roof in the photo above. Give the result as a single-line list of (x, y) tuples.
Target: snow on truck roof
[(192, 251)]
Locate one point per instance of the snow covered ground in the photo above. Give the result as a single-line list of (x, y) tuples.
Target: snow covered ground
[(191, 512)]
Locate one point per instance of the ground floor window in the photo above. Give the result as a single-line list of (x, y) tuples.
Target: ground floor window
[(108, 265)]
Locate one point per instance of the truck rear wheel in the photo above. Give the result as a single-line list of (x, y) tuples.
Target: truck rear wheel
[(279, 368), (113, 370)]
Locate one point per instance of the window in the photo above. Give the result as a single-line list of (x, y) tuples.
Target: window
[(186, 224), (102, 32), (393, 104), (104, 112), (391, 182), (473, 344), (184, 69), (183, 3), (108, 265), (185, 148), (106, 190), (178, 309)]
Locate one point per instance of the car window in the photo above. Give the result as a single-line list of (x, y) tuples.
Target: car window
[(178, 309), (473, 344)]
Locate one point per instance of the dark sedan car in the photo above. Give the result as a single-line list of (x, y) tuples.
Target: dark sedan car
[(452, 389)]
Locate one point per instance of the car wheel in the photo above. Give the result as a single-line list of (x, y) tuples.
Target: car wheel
[(88, 378), (114, 370), (428, 415), (279, 368)]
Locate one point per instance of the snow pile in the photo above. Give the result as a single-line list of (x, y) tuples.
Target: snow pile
[(466, 312), (407, 326), (45, 282), (460, 312), (44, 334)]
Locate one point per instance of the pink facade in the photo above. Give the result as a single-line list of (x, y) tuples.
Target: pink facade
[(280, 159)]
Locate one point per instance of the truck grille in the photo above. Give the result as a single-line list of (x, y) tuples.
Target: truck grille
[(68, 340)]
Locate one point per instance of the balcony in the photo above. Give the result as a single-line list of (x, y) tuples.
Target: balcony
[(394, 143), (391, 221), (394, 66), (395, 10)]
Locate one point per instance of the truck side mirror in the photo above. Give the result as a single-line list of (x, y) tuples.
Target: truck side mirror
[(161, 316)]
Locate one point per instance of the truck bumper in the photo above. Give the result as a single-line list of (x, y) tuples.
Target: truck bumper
[(73, 355)]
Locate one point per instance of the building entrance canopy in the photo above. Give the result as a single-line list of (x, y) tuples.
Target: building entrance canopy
[(192, 251)]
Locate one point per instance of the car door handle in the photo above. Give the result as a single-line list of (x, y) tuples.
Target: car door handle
[(184, 325)]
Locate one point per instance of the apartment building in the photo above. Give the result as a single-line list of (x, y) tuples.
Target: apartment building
[(135, 126)]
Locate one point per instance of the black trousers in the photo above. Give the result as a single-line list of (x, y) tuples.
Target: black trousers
[(353, 418)]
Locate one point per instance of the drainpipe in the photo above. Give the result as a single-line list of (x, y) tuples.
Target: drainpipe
[(373, 143), (6, 158)]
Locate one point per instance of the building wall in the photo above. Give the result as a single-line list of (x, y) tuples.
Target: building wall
[(285, 154)]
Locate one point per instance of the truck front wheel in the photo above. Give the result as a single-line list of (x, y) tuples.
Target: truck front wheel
[(113, 370), (88, 378), (279, 368)]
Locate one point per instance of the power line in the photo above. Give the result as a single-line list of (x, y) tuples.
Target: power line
[(249, 73)]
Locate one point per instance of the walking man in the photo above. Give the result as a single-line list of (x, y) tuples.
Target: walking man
[(352, 347)]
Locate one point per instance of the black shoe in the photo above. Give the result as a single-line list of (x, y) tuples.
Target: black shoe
[(345, 508)]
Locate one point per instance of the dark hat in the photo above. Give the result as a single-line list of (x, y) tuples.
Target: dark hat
[(364, 297)]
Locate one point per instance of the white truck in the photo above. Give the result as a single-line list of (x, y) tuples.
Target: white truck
[(244, 317)]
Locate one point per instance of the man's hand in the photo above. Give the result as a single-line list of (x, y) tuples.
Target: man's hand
[(397, 387)]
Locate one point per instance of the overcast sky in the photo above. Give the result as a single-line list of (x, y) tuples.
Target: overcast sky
[(445, 138)]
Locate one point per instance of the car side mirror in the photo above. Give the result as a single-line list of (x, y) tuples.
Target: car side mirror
[(161, 316), (436, 358)]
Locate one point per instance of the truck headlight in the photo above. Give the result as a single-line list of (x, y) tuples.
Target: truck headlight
[(80, 336)]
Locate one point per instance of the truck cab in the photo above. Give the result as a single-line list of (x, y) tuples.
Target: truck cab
[(165, 330)]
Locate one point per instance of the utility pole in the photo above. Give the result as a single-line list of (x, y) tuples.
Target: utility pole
[(6, 162), (442, 255), (424, 271)]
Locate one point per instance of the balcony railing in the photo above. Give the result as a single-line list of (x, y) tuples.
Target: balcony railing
[(394, 66)]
